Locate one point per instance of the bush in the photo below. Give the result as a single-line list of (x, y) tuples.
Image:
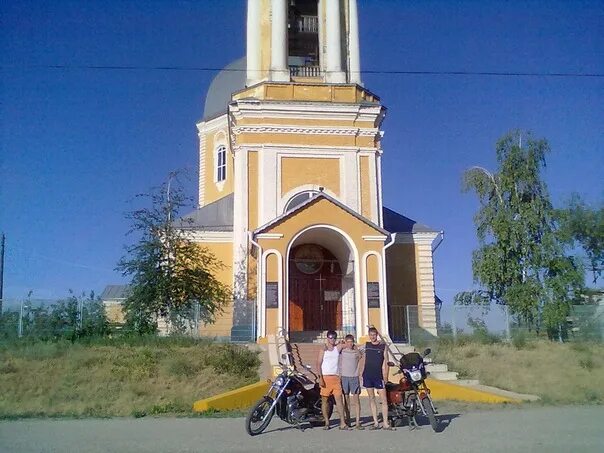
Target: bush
[(232, 359)]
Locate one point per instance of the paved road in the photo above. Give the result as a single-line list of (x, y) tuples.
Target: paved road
[(546, 429)]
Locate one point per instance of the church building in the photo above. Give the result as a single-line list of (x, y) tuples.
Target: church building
[(290, 186)]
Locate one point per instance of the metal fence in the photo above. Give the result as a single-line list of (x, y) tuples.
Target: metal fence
[(72, 317), (497, 323)]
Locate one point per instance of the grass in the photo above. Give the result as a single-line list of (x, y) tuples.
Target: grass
[(567, 373), (118, 377)]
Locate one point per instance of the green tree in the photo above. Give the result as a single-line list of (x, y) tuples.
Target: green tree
[(520, 261), (170, 273), (583, 226)]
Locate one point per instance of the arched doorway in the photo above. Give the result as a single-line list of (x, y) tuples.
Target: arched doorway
[(315, 289), (322, 281)]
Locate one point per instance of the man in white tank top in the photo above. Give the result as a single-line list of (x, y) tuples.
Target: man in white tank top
[(329, 378)]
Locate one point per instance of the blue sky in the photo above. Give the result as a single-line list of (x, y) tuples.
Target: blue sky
[(77, 144)]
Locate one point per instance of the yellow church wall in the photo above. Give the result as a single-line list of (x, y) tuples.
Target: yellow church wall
[(322, 212), (212, 191), (304, 139), (223, 251), (374, 318), (401, 275), (252, 165), (373, 269), (252, 277), (274, 91), (272, 320), (297, 171), (272, 268), (365, 191)]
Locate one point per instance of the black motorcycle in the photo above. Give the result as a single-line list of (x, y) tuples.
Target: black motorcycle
[(293, 396), (411, 396)]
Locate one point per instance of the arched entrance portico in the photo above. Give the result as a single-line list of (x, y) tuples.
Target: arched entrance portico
[(321, 278)]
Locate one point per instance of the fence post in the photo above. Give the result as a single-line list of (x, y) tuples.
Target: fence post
[(20, 325), (508, 334), (453, 325), (408, 324)]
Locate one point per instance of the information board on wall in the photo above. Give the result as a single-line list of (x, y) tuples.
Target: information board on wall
[(272, 294), (373, 294)]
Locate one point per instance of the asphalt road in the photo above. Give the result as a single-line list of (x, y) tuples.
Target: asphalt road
[(534, 429)]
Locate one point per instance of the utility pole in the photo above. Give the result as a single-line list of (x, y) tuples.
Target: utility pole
[(1, 270)]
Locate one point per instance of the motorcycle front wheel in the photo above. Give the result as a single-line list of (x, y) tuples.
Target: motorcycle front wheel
[(430, 413), (259, 417)]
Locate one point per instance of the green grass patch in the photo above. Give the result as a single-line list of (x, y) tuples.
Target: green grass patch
[(118, 377), (560, 373)]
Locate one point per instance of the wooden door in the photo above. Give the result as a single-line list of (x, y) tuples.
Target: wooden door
[(315, 289)]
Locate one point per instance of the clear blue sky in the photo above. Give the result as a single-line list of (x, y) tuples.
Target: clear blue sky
[(77, 144)]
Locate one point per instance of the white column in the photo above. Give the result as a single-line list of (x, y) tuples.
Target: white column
[(334, 43), (279, 68), (253, 42), (354, 53)]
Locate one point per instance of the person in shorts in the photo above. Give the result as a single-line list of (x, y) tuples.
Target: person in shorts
[(375, 375), (329, 378), (350, 360)]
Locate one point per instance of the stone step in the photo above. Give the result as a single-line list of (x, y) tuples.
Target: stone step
[(437, 368), (468, 382), (444, 376)]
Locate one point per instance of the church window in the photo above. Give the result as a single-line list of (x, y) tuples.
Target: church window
[(298, 199), (221, 163)]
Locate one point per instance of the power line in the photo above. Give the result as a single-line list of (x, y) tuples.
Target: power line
[(367, 71)]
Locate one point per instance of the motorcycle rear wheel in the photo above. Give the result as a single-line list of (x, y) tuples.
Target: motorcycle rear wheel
[(259, 413), (430, 414)]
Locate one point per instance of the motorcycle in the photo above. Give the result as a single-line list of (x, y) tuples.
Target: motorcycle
[(411, 396), (293, 397)]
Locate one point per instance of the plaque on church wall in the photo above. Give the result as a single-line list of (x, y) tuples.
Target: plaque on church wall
[(331, 296), (373, 294), (272, 294)]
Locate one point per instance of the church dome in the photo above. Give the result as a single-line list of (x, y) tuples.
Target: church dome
[(226, 82)]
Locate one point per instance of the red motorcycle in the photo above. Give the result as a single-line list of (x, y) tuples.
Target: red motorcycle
[(411, 396)]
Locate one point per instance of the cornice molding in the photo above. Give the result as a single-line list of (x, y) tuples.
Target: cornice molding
[(309, 130)]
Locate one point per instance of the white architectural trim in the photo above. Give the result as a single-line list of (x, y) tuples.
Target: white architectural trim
[(350, 192), (269, 236), (364, 286), (209, 236), (306, 130), (373, 196), (296, 190), (265, 255), (279, 68), (379, 238), (357, 277), (253, 51), (240, 223), (260, 309), (379, 189), (202, 167), (354, 58), (334, 43), (307, 110), (327, 149)]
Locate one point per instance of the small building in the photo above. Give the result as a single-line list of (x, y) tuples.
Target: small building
[(113, 297)]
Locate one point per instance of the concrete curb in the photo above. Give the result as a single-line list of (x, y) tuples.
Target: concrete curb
[(441, 390), (241, 398)]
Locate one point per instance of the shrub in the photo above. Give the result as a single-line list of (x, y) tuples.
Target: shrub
[(519, 340)]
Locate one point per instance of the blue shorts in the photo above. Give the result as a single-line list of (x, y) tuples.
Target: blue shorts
[(373, 382), (351, 385)]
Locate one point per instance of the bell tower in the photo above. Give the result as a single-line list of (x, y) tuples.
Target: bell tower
[(302, 40)]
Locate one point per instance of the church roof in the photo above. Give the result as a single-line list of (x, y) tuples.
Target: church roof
[(312, 200), (226, 82), (216, 216), (112, 292), (398, 223)]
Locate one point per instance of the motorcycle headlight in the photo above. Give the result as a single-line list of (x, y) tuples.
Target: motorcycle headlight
[(279, 381), (415, 375)]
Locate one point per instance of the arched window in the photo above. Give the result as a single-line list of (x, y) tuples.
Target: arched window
[(298, 199), (221, 163)]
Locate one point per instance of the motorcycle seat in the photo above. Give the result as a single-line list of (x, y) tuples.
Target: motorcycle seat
[(392, 387)]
